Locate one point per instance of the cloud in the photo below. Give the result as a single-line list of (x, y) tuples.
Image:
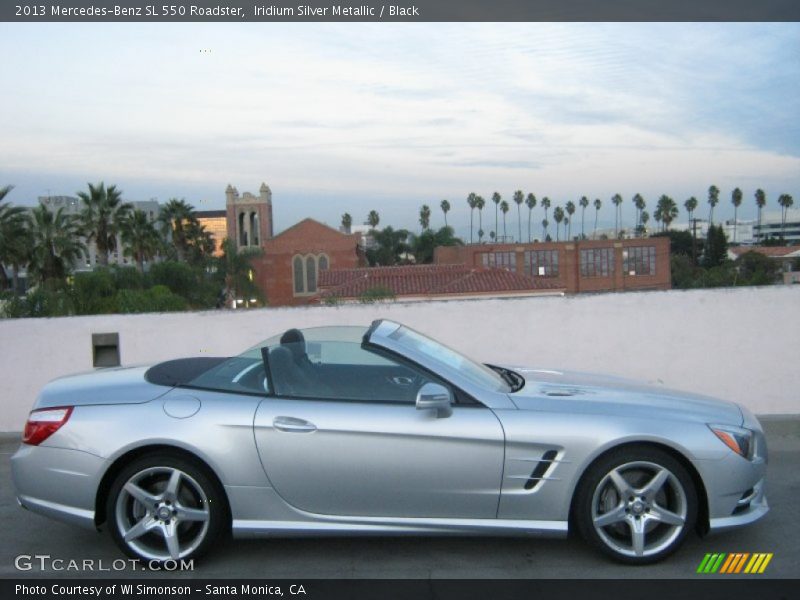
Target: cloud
[(337, 113)]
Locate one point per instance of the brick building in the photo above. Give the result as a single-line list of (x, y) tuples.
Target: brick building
[(578, 266), (289, 270)]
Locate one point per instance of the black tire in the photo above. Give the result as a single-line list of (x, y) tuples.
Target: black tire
[(192, 513), (650, 521)]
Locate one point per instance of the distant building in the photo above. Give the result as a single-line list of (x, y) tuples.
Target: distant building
[(367, 241), (73, 206), (575, 267), (771, 226), (215, 223), (787, 256)]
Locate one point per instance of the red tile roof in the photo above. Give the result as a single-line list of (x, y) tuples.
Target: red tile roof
[(428, 280)]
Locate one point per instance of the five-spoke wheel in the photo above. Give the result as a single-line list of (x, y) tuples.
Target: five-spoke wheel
[(163, 508), (636, 504)]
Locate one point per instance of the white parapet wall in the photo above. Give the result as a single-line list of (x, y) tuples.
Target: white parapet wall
[(740, 344)]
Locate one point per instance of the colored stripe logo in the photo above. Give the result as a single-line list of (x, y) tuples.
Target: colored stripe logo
[(735, 562)]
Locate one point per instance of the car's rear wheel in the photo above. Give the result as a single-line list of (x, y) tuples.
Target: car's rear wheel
[(164, 507), (636, 504)]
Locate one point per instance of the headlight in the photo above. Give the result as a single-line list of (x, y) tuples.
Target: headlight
[(738, 439)]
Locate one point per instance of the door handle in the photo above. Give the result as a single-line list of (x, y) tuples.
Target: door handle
[(292, 425)]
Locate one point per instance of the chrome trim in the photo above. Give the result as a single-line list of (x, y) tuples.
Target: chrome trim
[(380, 526)]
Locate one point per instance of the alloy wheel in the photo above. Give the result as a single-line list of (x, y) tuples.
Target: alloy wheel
[(639, 509), (162, 513)]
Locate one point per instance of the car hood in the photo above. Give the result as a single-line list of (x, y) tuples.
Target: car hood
[(547, 389), (124, 385)]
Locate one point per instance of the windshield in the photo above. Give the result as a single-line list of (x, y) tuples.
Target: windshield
[(477, 373)]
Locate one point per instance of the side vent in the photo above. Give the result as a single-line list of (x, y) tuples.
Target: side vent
[(541, 468)]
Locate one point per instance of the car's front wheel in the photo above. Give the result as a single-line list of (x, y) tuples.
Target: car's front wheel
[(163, 507), (636, 504)]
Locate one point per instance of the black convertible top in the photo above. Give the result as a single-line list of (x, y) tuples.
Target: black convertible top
[(181, 370)]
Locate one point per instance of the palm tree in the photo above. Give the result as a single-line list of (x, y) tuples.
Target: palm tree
[(479, 204), (519, 198), (761, 202), (545, 223), (103, 212), (639, 203), (140, 238), (644, 218), (785, 201), (584, 202), (235, 269), (545, 205), (471, 203), (14, 239), (690, 205), (373, 219), (713, 200), (597, 204), (199, 242), (558, 216), (496, 198), (445, 206), (56, 244), (347, 222), (175, 217), (657, 216), (736, 200), (530, 202), (616, 200), (666, 211), (570, 211), (425, 216), (504, 209)]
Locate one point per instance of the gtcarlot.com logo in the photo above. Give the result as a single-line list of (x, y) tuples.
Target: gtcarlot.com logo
[(735, 563)]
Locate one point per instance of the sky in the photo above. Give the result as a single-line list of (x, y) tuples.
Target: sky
[(353, 117)]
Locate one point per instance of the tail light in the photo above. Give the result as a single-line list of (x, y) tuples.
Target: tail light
[(44, 423)]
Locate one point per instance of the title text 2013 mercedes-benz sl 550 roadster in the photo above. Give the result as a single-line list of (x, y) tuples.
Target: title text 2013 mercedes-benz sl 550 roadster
[(381, 430)]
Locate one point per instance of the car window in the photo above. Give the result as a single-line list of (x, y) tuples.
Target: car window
[(237, 374), (345, 371)]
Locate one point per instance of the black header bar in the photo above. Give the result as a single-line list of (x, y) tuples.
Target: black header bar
[(411, 11)]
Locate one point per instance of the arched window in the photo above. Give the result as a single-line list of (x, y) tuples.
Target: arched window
[(254, 229), (299, 275), (323, 262), (242, 230), (311, 274)]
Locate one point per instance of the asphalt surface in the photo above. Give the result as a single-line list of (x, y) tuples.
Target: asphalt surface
[(24, 533)]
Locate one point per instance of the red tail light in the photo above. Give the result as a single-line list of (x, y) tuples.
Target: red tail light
[(44, 423)]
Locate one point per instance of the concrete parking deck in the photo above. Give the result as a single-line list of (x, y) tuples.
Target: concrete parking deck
[(26, 533)]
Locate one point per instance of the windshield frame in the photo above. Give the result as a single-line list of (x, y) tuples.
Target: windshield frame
[(426, 351)]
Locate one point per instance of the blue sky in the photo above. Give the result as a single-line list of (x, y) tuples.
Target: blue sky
[(350, 117)]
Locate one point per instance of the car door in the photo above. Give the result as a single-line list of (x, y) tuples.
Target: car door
[(352, 442)]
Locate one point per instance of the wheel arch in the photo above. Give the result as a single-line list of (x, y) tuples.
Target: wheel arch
[(702, 525), (123, 460)]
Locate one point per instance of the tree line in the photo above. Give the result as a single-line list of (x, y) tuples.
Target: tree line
[(49, 244), (664, 214)]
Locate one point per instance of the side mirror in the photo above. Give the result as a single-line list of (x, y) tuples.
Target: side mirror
[(437, 397)]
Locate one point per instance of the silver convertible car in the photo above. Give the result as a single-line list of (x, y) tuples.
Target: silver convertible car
[(381, 430)]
